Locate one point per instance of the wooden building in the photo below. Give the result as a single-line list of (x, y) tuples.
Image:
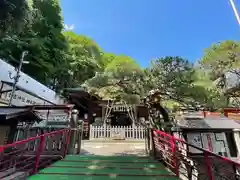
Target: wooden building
[(93, 110), (11, 118)]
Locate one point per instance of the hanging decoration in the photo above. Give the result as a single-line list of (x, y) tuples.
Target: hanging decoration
[(131, 112), (108, 111)]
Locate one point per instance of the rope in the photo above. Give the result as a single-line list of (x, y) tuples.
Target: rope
[(235, 11), (108, 111), (130, 112)]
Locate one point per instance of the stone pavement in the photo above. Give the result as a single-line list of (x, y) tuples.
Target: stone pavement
[(113, 148)]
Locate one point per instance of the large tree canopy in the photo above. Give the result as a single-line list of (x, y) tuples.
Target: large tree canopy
[(222, 62), (14, 14), (62, 59), (121, 79), (173, 76), (221, 57)]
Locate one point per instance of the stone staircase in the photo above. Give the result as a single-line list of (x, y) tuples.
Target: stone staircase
[(76, 167), (107, 160)]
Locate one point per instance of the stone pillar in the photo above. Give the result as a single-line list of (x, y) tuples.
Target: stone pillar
[(74, 132)]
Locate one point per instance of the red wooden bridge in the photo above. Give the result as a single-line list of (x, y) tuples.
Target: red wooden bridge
[(46, 157)]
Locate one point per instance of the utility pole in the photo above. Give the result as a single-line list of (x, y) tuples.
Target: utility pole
[(235, 11), (16, 78)]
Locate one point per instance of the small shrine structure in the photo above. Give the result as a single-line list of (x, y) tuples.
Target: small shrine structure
[(95, 111), (218, 134)]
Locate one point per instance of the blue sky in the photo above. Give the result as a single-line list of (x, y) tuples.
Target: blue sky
[(147, 29)]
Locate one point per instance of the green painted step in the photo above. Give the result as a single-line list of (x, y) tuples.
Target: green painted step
[(99, 163), (67, 177), (104, 168), (111, 158)]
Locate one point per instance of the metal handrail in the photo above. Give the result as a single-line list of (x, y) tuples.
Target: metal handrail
[(27, 155), (176, 154)]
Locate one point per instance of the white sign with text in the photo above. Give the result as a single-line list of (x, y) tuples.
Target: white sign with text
[(20, 98)]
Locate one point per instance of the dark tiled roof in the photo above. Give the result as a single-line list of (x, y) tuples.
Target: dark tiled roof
[(9, 111), (209, 123)]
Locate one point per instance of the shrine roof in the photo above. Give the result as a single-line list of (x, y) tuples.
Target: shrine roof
[(11, 113), (79, 92), (217, 123)]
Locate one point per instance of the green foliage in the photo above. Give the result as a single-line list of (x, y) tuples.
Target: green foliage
[(84, 58), (56, 59), (221, 57), (43, 39), (121, 80), (218, 59), (173, 76), (107, 58), (14, 14), (62, 59)]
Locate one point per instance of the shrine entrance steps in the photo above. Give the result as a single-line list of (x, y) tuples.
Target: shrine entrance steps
[(86, 167)]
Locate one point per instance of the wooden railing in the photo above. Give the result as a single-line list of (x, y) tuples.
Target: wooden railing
[(189, 162), (34, 153)]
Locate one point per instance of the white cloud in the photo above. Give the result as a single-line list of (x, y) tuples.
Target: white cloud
[(69, 27)]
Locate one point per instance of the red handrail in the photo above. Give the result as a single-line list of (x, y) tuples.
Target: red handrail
[(34, 153), (179, 157)]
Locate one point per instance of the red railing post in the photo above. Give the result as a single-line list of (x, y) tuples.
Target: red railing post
[(67, 142), (175, 160), (39, 152), (208, 165)]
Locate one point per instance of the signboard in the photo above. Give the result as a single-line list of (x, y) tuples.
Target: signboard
[(8, 73), (20, 98), (196, 140), (53, 123), (209, 142), (215, 142), (121, 108)]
